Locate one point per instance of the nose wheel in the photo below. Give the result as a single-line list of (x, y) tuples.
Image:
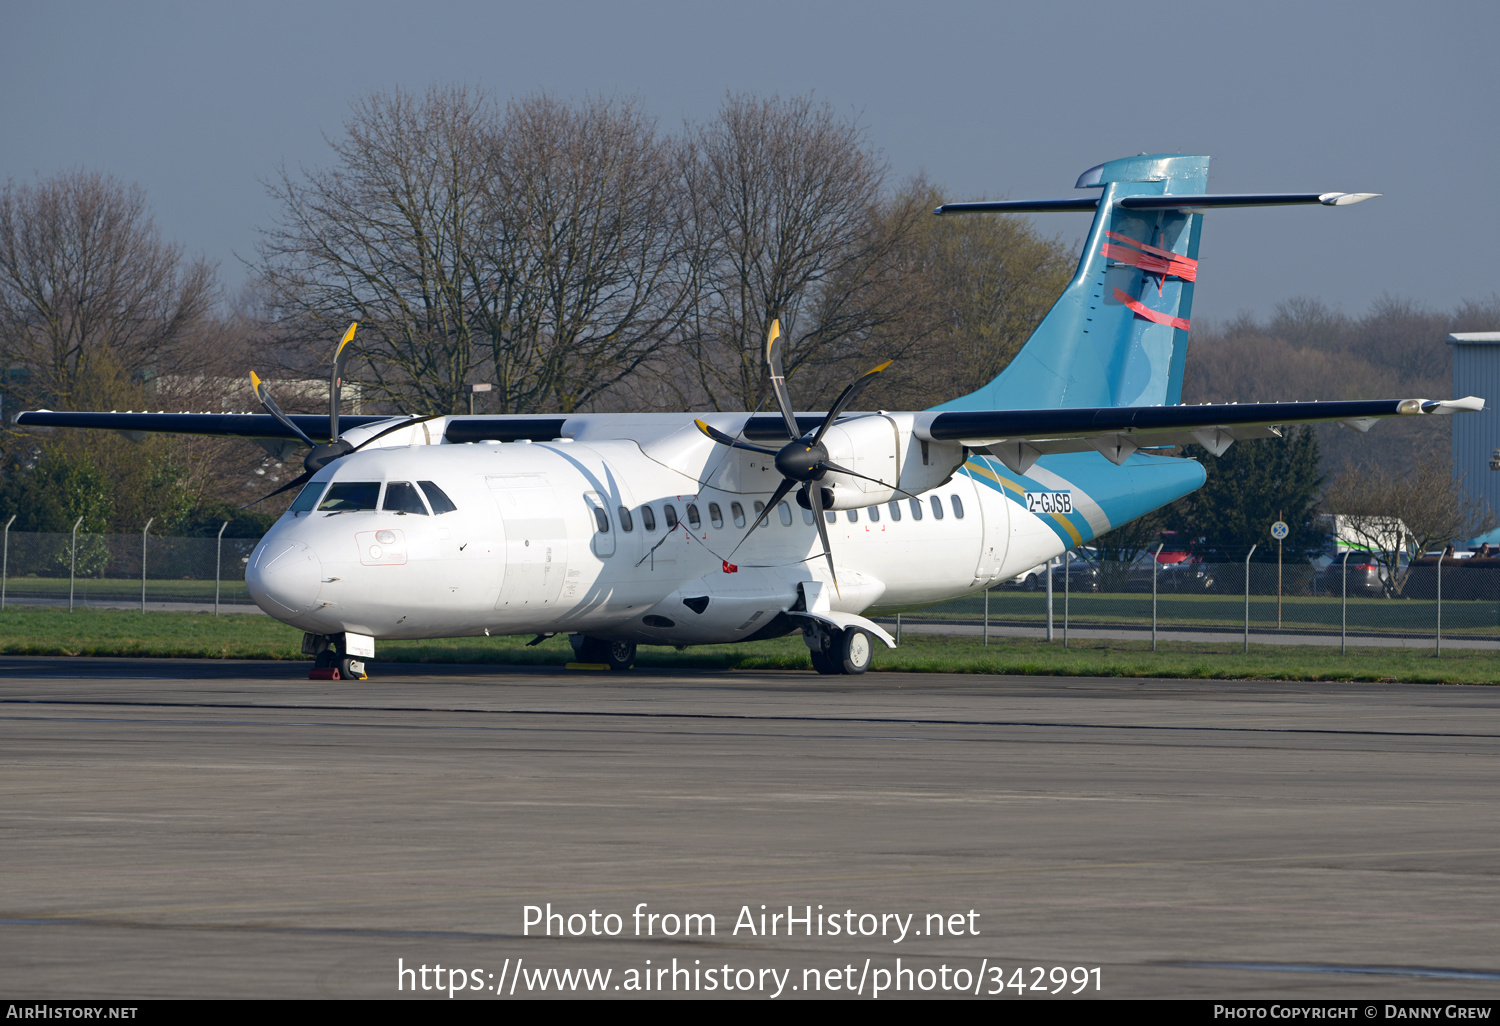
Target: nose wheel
[(329, 663)]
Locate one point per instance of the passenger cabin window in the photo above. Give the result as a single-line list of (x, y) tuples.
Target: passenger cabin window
[(626, 523), (738, 512), (601, 519), (916, 507), (307, 498), (437, 498), (715, 514), (937, 506), (348, 496), (807, 517), (694, 521), (786, 514), (648, 518), (853, 515), (403, 497), (830, 516), (895, 508), (874, 512), (671, 516), (958, 506)]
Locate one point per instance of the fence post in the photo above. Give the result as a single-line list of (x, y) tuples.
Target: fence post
[(1344, 615), (5, 560), (986, 615), (1247, 595), (1155, 562), (1049, 600), (1067, 572), (1439, 651), (143, 562), (73, 563), (219, 565)]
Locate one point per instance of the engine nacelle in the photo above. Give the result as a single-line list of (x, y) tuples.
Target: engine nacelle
[(882, 446)]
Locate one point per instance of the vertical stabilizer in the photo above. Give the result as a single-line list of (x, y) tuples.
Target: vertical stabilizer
[(1118, 334)]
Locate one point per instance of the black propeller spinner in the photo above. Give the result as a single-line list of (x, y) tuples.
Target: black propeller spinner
[(804, 460), (321, 454)]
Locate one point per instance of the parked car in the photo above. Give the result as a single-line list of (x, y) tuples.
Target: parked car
[(1367, 576)]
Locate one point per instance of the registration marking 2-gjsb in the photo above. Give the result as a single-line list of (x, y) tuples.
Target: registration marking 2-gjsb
[(1049, 502)]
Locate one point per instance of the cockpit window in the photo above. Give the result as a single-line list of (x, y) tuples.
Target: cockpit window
[(437, 498), (307, 498), (351, 495), (402, 497)]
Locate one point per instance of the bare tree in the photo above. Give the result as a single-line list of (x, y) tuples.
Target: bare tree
[(1392, 512), (536, 249), (586, 246), (784, 197), (391, 236), (90, 296)]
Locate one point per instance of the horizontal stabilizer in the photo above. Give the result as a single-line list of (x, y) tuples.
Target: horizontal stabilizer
[(1191, 203)]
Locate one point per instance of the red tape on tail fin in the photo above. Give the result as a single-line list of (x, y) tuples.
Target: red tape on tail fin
[(1151, 259), (1142, 310)]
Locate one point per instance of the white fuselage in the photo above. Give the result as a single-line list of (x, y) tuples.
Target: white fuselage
[(623, 538)]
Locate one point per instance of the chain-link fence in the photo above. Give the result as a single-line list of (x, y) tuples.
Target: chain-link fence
[(107, 569), (1360, 604)]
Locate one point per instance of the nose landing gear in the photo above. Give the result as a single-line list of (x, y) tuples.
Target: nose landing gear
[(329, 663)]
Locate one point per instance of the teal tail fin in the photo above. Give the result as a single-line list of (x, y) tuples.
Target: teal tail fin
[(1118, 335)]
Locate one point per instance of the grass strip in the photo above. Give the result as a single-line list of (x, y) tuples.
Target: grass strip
[(117, 633)]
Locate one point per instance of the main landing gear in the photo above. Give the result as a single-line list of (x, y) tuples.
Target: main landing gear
[(329, 662), (617, 655), (838, 651)]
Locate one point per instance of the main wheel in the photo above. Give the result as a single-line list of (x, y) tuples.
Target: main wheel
[(825, 657), (617, 655), (853, 651), (351, 668), (824, 663)]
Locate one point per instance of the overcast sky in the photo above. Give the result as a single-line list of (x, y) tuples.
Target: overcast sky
[(200, 101)]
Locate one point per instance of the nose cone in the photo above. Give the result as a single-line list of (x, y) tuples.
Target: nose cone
[(284, 577)]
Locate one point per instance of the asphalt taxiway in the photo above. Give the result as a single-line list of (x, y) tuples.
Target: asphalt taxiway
[(224, 829)]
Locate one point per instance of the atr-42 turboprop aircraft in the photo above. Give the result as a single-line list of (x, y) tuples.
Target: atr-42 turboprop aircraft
[(671, 529)]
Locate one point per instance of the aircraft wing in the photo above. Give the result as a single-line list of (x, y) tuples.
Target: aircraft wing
[(1018, 437)]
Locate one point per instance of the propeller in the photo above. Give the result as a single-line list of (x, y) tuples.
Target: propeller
[(804, 461), (321, 454)]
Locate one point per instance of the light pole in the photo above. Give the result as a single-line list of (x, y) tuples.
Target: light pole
[(483, 386)]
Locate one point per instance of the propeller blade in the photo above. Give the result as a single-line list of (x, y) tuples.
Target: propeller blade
[(815, 499), (787, 484), (846, 397), (830, 465), (264, 395), (395, 427), (778, 380), (336, 382), (733, 443), (300, 479)]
